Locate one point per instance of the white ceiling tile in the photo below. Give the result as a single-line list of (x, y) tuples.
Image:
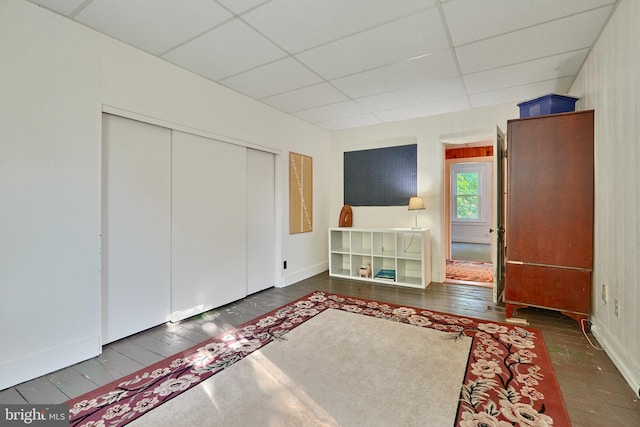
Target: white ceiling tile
[(552, 67), (420, 94), (64, 7), (331, 112), (301, 24), (305, 98), (575, 32), (503, 16), (436, 66), (153, 25), (210, 55), (522, 93), (400, 40), (281, 76), (427, 109), (241, 6), (350, 122)]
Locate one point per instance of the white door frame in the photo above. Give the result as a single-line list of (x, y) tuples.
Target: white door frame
[(477, 137)]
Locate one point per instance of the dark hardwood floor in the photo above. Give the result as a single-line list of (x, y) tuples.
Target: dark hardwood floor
[(594, 391)]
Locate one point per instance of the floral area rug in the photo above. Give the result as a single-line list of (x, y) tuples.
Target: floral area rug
[(509, 380), (469, 271)]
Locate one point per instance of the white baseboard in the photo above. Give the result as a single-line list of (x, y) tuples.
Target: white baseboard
[(627, 366), (296, 276), (34, 365), (482, 240), (437, 276)]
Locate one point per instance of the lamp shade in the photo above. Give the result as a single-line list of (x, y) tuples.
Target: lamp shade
[(416, 204)]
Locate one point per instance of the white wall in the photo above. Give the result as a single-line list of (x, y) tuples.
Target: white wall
[(428, 132), (55, 77), (609, 83)]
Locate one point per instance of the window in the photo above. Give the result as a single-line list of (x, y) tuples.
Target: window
[(468, 195), (466, 186)]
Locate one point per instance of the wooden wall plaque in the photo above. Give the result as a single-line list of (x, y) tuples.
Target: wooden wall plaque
[(300, 193)]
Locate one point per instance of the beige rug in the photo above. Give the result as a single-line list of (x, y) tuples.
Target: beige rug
[(336, 369)]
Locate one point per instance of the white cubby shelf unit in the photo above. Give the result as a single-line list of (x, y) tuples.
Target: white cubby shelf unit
[(398, 256)]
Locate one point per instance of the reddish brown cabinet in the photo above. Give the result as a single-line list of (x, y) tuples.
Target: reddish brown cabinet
[(549, 226)]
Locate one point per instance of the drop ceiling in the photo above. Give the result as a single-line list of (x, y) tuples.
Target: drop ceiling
[(348, 63)]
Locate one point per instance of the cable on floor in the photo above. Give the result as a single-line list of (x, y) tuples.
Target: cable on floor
[(584, 332)]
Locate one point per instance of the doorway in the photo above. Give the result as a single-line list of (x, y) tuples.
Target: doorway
[(469, 213)]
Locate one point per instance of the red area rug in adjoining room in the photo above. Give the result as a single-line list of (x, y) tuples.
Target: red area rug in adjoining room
[(470, 271), (333, 360)]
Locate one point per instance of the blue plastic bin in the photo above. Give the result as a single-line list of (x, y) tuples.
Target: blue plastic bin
[(548, 104)]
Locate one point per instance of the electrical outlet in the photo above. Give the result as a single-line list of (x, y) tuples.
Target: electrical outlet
[(604, 292), (616, 308)]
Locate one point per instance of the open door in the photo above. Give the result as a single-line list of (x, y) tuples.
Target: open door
[(500, 166)]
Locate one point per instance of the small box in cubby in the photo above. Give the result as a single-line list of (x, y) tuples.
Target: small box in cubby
[(386, 274)]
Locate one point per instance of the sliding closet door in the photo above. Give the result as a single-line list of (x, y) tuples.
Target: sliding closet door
[(261, 238), (136, 226), (209, 224)]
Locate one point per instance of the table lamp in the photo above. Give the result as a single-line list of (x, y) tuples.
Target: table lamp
[(416, 204)]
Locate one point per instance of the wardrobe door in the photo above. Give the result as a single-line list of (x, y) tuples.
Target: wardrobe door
[(136, 226), (551, 185), (209, 224), (261, 220)]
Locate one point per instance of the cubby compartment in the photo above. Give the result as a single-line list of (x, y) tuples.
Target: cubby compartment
[(340, 264), (410, 245), (339, 241), (409, 271), (384, 244), (361, 242), (384, 268), (358, 261)]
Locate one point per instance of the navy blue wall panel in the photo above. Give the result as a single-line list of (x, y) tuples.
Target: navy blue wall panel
[(381, 176)]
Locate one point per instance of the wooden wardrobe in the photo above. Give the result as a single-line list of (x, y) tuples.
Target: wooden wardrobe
[(549, 226)]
